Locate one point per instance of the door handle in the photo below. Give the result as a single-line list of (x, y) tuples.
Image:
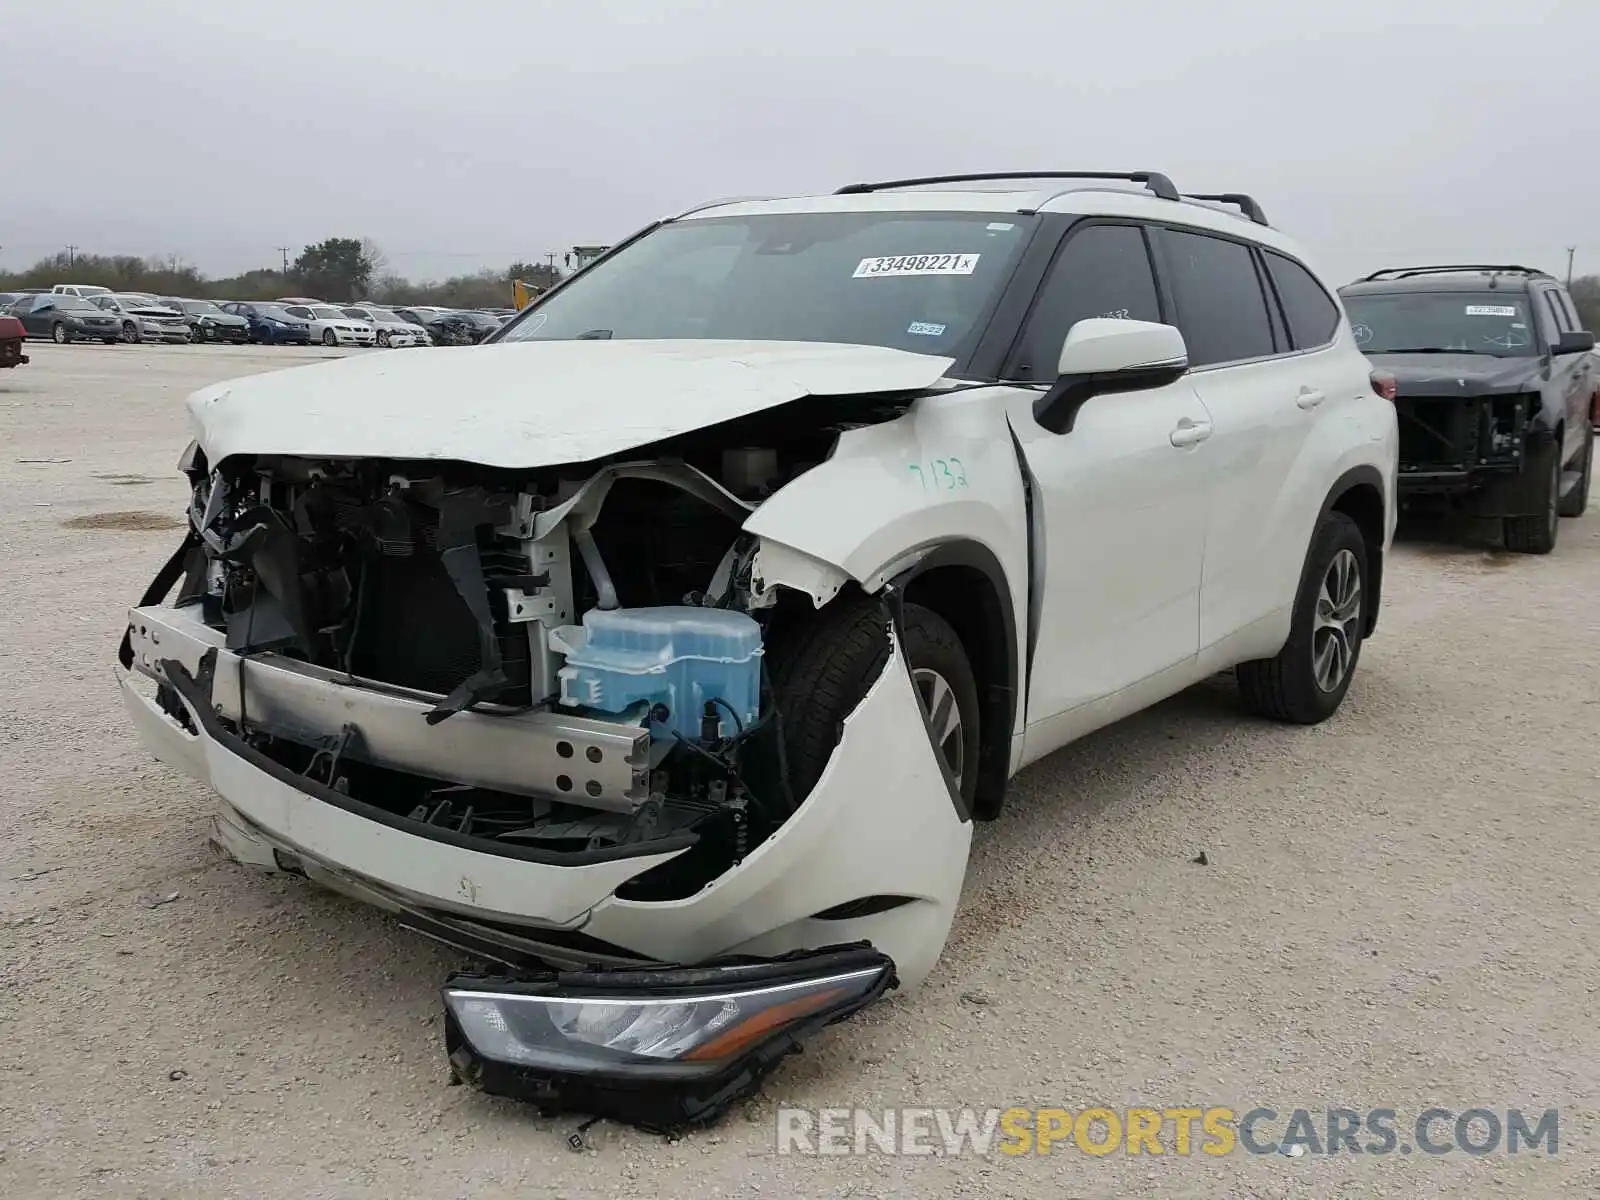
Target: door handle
[(1310, 397), (1190, 433)]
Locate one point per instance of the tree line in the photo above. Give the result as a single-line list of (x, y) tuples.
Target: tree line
[(337, 269), (350, 269)]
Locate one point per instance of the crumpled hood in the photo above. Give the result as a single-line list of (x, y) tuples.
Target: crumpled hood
[(1471, 374), (532, 404)]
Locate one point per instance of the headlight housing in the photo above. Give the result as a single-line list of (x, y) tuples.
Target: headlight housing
[(659, 1047)]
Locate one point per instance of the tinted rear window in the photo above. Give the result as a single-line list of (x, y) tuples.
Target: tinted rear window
[(1221, 309), (1312, 314)]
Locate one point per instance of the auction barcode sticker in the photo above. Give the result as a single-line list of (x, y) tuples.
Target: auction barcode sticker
[(917, 264), (1491, 310)]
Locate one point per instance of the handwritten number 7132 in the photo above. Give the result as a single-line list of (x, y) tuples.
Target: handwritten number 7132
[(940, 474)]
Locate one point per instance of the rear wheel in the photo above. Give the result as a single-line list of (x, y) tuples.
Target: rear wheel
[(822, 671), (1537, 534), (1308, 679), (1575, 504)]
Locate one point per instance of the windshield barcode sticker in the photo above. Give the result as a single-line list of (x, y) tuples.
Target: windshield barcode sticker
[(917, 264), (1491, 310)]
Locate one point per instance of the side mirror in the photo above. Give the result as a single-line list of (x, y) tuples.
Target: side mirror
[(1104, 355), (1580, 342)]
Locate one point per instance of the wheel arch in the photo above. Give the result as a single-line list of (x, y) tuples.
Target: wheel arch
[(964, 582), (1359, 495)]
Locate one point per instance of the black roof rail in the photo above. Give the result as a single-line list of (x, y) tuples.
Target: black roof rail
[(1245, 204), (1448, 268), (1152, 180)]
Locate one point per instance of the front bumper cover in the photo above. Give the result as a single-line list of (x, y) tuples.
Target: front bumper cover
[(667, 1094)]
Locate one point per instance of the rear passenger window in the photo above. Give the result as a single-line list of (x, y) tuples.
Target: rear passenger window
[(1221, 309), (1313, 316), (1101, 271)]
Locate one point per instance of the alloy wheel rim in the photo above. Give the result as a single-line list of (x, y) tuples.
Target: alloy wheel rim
[(1335, 630), (944, 718)]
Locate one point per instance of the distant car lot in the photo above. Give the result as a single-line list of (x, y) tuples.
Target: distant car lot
[(1395, 906)]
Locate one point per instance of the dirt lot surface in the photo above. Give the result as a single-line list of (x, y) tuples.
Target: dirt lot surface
[(1400, 909)]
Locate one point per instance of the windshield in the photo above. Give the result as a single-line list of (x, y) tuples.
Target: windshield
[(368, 314), (909, 280), (276, 312), (137, 302), (74, 303), (1491, 323), (200, 306), (323, 312)]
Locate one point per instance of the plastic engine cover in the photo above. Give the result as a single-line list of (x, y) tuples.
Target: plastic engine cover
[(676, 656)]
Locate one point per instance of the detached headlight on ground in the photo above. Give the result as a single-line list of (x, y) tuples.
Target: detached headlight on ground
[(662, 1048)]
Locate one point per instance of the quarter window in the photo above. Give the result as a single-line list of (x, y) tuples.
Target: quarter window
[(1221, 309), (1100, 271), (1313, 316)]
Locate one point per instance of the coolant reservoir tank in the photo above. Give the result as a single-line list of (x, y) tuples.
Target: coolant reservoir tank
[(677, 656)]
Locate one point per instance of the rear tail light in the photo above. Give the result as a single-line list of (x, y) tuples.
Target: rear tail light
[(1385, 385)]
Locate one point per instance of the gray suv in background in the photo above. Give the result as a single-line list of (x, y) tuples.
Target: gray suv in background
[(1493, 380)]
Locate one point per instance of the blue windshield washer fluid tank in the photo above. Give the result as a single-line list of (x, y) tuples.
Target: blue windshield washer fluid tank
[(678, 656)]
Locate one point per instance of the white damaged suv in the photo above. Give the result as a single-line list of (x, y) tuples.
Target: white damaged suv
[(664, 649)]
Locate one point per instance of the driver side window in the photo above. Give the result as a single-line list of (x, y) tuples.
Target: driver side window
[(1099, 271)]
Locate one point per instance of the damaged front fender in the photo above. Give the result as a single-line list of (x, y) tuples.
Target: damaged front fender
[(877, 852)]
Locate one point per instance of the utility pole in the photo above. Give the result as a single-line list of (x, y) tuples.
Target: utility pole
[(284, 250), (550, 257), (1571, 250), (71, 255)]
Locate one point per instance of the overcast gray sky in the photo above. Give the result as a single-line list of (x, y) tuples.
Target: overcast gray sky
[(460, 135)]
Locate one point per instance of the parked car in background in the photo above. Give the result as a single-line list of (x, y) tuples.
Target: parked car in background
[(419, 314), (288, 300), (12, 338), (144, 320), (332, 327), (7, 299), (62, 317), (79, 289), (392, 331), (208, 323), (1494, 383), (270, 324), (461, 328)]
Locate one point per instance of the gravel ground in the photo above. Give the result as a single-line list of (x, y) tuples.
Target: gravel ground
[(1399, 909)]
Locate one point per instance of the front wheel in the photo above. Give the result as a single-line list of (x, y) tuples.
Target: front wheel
[(130, 332), (1308, 679), (383, 337), (59, 334), (822, 670), (1577, 502), (328, 338), (1537, 534)]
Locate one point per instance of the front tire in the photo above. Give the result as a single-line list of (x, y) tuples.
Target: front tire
[(59, 334), (383, 338), (1307, 681), (1578, 502), (130, 332), (1537, 534), (822, 670), (328, 338)]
